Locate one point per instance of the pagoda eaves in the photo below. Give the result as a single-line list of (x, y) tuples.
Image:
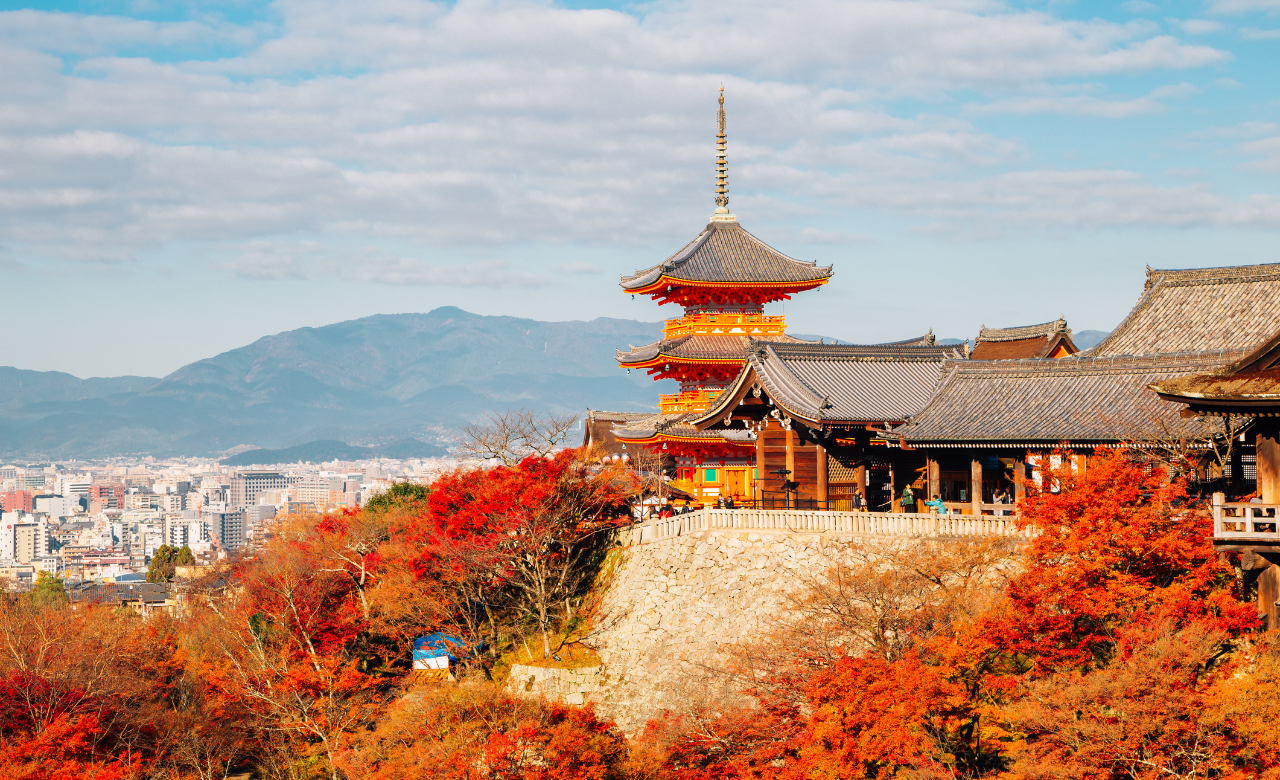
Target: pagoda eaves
[(695, 357), (726, 265)]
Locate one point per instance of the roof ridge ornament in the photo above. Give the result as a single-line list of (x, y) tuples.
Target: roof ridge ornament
[(722, 169)]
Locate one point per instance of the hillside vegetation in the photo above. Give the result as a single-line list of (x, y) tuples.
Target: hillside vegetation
[(1118, 646)]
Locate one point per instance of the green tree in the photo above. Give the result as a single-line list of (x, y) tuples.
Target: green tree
[(400, 494), (165, 561), (48, 589)]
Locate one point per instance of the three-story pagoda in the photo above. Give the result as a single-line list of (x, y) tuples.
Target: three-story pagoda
[(722, 279)]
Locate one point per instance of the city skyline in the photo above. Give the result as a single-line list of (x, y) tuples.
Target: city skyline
[(201, 176)]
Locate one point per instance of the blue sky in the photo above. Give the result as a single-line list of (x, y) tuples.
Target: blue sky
[(178, 179)]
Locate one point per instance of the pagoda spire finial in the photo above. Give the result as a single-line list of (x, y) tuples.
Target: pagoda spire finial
[(722, 168)]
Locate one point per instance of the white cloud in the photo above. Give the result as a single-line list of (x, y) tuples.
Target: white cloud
[(1241, 6), (308, 260), (1071, 199), (1086, 104), (499, 122), (815, 236), (1264, 154), (1198, 26), (577, 268), (1250, 129), (1254, 34)]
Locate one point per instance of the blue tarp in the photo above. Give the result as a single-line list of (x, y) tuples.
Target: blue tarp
[(436, 645)]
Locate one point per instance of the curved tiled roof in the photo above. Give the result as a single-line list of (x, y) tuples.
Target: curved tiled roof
[(1252, 384), (724, 252), (697, 347), (1024, 332), (1027, 341), (1049, 401), (678, 425), (1218, 389), (927, 340), (1199, 310), (845, 382)]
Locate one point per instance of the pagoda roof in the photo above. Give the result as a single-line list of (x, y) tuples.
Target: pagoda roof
[(598, 429), (1018, 403), (726, 254), (835, 383), (677, 426), (697, 346), (1027, 341), (1199, 310)]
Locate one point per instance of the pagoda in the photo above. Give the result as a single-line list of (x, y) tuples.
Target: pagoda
[(722, 279)]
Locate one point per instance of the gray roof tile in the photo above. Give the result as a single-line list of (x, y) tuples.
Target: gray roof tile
[(724, 252), (698, 346), (845, 382), (1044, 329), (1201, 309), (1083, 399)]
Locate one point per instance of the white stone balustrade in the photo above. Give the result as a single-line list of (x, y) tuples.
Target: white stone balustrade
[(1245, 522), (815, 522)]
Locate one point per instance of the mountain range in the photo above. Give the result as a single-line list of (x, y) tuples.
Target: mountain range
[(374, 381), (396, 385)]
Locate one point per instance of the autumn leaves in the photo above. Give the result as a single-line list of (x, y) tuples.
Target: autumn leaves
[(1116, 644)]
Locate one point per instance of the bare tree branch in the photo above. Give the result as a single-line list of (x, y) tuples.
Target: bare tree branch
[(511, 436)]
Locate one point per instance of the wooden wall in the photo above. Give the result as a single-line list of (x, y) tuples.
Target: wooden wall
[(778, 448)]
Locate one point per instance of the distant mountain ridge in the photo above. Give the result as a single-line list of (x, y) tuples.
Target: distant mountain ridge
[(327, 450), (370, 381)]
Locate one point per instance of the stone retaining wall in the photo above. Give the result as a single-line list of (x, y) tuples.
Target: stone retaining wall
[(572, 686), (675, 608)]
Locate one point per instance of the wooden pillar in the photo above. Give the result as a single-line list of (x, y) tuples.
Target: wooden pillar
[(935, 479), (761, 465), (1237, 470), (895, 494), (975, 486), (791, 465), (1268, 584), (820, 453), (1267, 440), (1019, 481), (860, 479)]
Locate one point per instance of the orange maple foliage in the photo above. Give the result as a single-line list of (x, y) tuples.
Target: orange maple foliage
[(475, 732), (66, 748), (1114, 645), (1118, 541), (1142, 716)]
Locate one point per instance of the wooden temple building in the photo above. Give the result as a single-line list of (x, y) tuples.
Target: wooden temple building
[(767, 418), (970, 428), (722, 279), (1246, 390), (992, 420), (1047, 340), (813, 411)]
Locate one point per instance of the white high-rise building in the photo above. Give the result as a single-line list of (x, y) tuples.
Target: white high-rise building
[(8, 539)]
